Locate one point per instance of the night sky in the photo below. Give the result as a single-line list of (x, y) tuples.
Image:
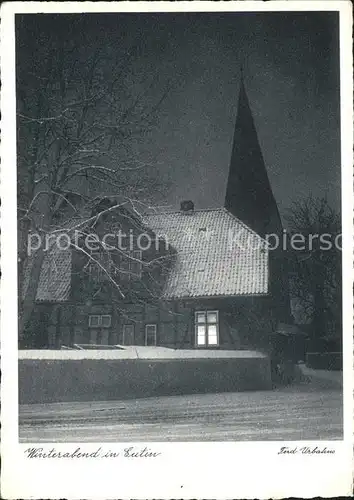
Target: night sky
[(291, 74)]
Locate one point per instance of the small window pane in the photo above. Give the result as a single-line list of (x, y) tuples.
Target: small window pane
[(212, 317), (212, 331), (212, 335), (201, 329), (94, 321), (212, 340), (201, 317), (106, 321), (201, 335)]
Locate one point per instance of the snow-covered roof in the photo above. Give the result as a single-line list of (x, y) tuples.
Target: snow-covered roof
[(216, 254)]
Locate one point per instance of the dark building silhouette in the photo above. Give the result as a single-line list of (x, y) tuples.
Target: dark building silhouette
[(249, 197), (249, 194)]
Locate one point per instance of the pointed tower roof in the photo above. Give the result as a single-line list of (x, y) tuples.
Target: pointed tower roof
[(248, 194)]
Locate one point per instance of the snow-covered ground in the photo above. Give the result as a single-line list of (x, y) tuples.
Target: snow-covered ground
[(300, 412), (329, 375)]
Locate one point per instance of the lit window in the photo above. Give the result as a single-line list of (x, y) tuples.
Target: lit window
[(207, 328), (150, 335), (100, 321)]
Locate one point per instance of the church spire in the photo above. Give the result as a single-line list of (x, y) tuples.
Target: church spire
[(250, 198), (248, 194)]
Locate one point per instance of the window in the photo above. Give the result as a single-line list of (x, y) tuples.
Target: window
[(100, 321), (207, 328), (131, 264), (94, 321), (150, 334), (100, 266)]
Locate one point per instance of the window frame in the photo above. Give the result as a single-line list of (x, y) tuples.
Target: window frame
[(99, 316), (127, 262), (110, 320), (155, 333), (206, 325), (94, 316)]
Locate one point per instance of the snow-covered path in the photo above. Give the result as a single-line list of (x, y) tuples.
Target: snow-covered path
[(306, 411)]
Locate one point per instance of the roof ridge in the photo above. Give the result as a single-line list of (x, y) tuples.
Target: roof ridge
[(218, 209)]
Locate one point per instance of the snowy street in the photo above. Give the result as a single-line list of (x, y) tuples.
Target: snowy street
[(304, 411)]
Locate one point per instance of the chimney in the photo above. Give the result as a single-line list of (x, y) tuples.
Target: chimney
[(187, 206)]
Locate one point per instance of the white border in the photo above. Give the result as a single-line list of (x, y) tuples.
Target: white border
[(225, 470)]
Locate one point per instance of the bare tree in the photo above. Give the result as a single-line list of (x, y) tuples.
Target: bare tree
[(316, 277), (83, 116)]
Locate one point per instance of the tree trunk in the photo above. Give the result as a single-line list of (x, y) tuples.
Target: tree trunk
[(28, 296)]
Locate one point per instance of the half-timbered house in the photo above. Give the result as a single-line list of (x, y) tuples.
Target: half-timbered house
[(188, 278)]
